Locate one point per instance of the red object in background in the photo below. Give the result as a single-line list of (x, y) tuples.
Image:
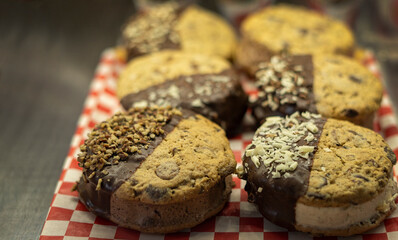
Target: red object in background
[(387, 16)]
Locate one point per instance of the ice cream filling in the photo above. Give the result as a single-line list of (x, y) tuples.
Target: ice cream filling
[(330, 218)]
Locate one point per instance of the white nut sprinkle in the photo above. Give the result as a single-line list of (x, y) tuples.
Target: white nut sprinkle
[(327, 150), (306, 149), (275, 144), (174, 91), (312, 127), (256, 161), (197, 103), (142, 104)]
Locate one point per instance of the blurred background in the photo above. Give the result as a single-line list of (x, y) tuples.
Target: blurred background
[(48, 53)]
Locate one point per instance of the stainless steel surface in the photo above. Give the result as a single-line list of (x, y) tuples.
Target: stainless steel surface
[(48, 53)]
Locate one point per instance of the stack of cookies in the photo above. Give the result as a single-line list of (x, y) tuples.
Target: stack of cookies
[(165, 163)]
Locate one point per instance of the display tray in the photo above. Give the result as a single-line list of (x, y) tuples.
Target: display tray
[(68, 218)]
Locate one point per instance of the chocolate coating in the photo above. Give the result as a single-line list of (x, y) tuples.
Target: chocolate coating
[(277, 200), (250, 53), (98, 200), (299, 102), (219, 97)]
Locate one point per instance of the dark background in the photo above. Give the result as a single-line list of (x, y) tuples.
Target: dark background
[(48, 53)]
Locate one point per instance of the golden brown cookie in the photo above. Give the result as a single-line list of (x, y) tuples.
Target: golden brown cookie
[(174, 26), (290, 29), (322, 176), (205, 84), (332, 85), (156, 169)]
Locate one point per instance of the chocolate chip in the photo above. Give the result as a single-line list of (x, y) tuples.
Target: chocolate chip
[(167, 170), (303, 31), (174, 151), (350, 113), (316, 195), (335, 137), (355, 79), (357, 134), (390, 155), (155, 193), (353, 132), (374, 218), (362, 177)]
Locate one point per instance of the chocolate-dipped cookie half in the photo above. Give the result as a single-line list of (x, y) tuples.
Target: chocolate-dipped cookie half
[(182, 26), (322, 176), (290, 29), (204, 84), (156, 169), (331, 85)]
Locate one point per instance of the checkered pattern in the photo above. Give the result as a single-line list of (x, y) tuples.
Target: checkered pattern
[(69, 219)]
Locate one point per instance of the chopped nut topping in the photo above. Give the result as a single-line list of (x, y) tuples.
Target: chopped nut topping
[(275, 143), (122, 135), (150, 30), (281, 84), (99, 184)]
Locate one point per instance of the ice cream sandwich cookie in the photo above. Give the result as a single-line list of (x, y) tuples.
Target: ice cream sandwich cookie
[(331, 85), (317, 175), (156, 169), (204, 84), (178, 26), (295, 30)]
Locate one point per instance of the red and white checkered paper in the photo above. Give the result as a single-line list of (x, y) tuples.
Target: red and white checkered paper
[(69, 219)]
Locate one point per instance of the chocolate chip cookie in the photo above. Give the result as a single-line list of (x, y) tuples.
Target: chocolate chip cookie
[(185, 27), (204, 84), (331, 85), (156, 169), (317, 175), (295, 30)]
